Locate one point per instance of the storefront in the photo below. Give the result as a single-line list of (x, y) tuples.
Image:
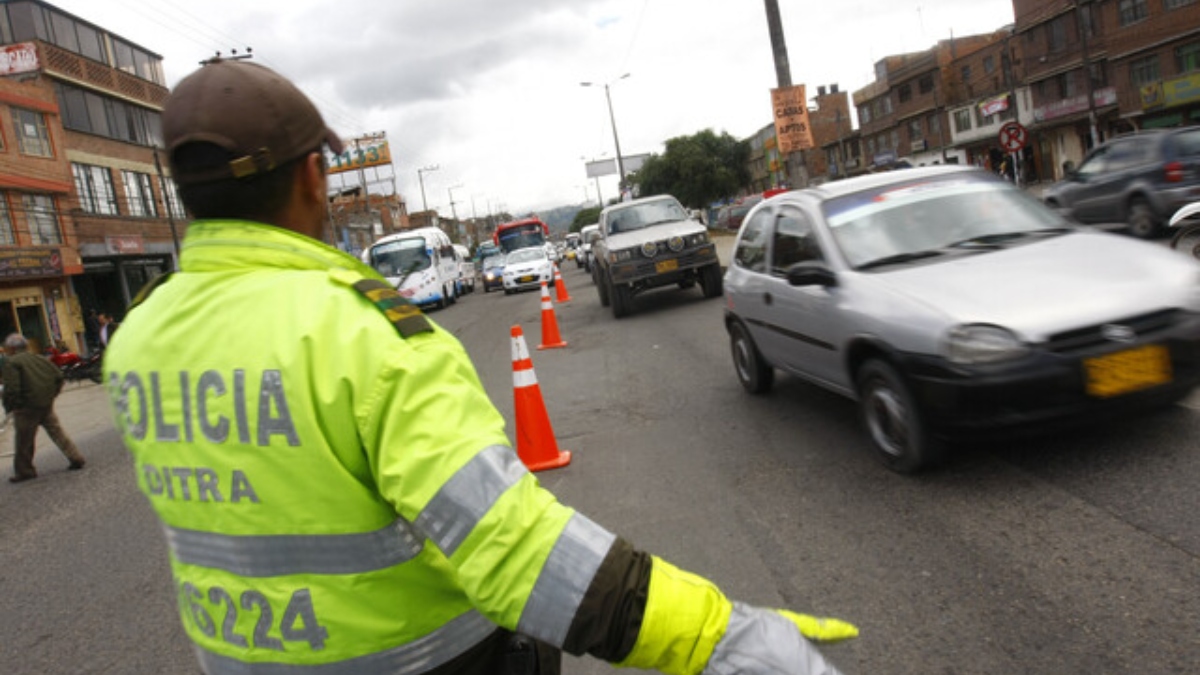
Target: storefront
[(115, 271), (1171, 103), (35, 298)]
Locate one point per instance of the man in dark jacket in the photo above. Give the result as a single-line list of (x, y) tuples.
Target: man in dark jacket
[(31, 383)]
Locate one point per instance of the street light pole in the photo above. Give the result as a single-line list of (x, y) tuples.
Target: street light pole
[(421, 179), (613, 120)]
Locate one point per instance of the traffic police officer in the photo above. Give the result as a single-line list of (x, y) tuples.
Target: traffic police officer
[(337, 491)]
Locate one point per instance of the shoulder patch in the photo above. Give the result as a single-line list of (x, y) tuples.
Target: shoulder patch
[(404, 315)]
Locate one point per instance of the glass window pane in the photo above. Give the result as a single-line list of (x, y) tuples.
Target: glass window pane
[(21, 14), (124, 55), (91, 43), (64, 31), (31, 133), (43, 219), (6, 225)]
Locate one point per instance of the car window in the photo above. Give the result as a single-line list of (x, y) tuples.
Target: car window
[(793, 241), (1096, 163), (1187, 144), (751, 251)]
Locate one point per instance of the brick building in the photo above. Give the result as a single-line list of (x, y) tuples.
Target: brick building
[(106, 95), (39, 250)]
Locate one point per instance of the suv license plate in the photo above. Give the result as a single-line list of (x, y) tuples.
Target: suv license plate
[(666, 266), (1126, 371)]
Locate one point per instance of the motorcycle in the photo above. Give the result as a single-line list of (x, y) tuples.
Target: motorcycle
[(75, 368), (1187, 234)]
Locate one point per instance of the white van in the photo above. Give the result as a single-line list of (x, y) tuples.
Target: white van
[(420, 263), (466, 270)]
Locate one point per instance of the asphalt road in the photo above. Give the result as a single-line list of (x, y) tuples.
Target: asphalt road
[(1073, 554)]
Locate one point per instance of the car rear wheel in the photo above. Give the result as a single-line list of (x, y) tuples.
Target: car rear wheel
[(890, 415), (622, 300), (1142, 223), (755, 374), (710, 280)]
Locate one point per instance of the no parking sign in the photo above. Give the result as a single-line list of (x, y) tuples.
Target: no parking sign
[(1013, 137)]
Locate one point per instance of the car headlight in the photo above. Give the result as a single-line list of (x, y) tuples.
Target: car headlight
[(697, 239), (981, 343), (620, 256)]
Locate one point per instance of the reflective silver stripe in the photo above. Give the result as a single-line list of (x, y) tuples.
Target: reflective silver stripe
[(464, 499), (564, 579), (276, 555), (762, 642), (419, 656)]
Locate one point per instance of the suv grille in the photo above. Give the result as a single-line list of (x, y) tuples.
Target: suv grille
[(1084, 339)]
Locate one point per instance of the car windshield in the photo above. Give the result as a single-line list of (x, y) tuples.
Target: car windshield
[(400, 258), (645, 214), (525, 255), (493, 261), (921, 219)]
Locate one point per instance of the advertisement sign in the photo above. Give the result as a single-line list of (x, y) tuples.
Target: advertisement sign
[(18, 58), (17, 263), (791, 119), (1181, 90), (121, 244), (360, 153), (993, 105)]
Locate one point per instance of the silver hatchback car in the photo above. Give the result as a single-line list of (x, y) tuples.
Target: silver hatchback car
[(951, 305)]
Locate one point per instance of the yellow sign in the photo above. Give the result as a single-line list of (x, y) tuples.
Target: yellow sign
[(359, 155), (791, 119)]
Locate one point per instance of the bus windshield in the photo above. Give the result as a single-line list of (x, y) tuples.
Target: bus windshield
[(524, 234), (400, 258)]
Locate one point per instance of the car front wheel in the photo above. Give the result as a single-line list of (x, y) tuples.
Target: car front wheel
[(755, 374), (710, 280), (890, 415), (622, 300)]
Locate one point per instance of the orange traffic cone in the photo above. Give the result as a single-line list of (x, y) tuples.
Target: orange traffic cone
[(550, 336), (560, 288), (535, 438)]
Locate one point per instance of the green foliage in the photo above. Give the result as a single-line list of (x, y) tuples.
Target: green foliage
[(697, 169), (585, 217)]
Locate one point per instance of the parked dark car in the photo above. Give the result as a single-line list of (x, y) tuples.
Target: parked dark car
[(729, 217), (1139, 179), (492, 270)]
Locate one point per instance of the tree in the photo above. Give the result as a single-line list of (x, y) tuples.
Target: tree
[(585, 217), (698, 169)]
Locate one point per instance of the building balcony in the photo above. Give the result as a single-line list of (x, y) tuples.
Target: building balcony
[(67, 65)]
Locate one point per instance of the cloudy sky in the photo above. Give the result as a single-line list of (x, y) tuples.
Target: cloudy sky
[(489, 90)]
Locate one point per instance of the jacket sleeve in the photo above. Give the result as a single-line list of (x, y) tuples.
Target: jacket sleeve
[(533, 565), (13, 386)]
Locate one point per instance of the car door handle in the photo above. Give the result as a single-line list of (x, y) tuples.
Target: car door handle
[(767, 299)]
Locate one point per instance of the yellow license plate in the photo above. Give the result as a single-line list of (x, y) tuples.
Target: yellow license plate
[(525, 279), (666, 266), (1126, 371)]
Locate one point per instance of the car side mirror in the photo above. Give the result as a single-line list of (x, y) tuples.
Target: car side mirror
[(811, 274)]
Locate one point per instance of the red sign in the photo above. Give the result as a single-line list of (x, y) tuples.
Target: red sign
[(1013, 137), (18, 58)]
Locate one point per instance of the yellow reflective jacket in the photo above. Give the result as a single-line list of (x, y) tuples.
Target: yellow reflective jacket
[(339, 497)]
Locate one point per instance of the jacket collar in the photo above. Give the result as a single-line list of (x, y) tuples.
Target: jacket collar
[(228, 245)]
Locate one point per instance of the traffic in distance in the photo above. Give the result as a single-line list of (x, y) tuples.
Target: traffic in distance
[(947, 303)]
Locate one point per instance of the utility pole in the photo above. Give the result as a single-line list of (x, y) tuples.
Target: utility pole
[(1087, 69), (167, 201), (783, 77)]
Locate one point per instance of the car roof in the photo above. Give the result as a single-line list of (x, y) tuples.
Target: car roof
[(872, 181)]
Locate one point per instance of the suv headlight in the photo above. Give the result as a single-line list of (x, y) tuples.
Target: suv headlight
[(697, 239), (981, 343)]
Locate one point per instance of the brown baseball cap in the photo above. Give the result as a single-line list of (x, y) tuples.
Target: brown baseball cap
[(247, 109)]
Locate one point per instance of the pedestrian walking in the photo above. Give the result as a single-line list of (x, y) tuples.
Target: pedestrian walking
[(31, 383), (338, 472)]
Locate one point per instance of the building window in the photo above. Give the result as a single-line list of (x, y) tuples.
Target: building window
[(139, 195), (887, 105), (94, 185), (6, 224), (1176, 4), (1066, 85), (864, 114), (1144, 71), (989, 64), (895, 139), (43, 219), (905, 93), (925, 84), (171, 195), (1056, 34), (934, 123), (93, 113), (32, 136), (962, 120), (915, 132), (1187, 57), (1131, 11)]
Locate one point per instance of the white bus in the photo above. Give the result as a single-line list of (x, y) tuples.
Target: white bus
[(420, 263)]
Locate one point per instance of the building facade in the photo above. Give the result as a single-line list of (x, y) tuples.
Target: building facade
[(107, 95)]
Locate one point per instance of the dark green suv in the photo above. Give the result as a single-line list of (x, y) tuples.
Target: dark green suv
[(1140, 179)]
